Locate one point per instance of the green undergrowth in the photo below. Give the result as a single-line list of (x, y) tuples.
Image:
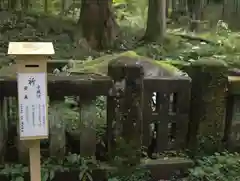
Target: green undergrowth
[(179, 45), (50, 166), (74, 119), (36, 26), (218, 167), (85, 169), (182, 47)]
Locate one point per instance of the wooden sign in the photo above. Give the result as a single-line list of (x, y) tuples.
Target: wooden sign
[(31, 59), (32, 105)]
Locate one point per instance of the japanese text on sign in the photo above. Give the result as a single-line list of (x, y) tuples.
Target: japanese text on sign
[(32, 104)]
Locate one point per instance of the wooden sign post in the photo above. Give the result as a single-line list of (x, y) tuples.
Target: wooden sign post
[(31, 60)]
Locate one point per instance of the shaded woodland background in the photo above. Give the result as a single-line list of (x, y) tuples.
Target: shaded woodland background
[(106, 25)]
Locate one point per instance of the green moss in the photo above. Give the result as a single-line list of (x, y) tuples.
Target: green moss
[(210, 62), (168, 66), (100, 65)]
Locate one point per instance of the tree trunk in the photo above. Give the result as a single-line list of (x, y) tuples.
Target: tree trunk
[(46, 6), (179, 8), (167, 8), (174, 7), (156, 24), (12, 4), (195, 8), (97, 23), (25, 4), (231, 13), (63, 5), (2, 4), (182, 7)]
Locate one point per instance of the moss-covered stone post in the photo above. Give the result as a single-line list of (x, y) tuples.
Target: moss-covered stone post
[(57, 136), (2, 125), (208, 101), (129, 79)]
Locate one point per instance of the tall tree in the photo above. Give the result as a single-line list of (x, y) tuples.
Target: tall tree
[(12, 4), (174, 7), (46, 6), (97, 23), (179, 8), (25, 4), (231, 13), (195, 8), (183, 7), (156, 23), (167, 8)]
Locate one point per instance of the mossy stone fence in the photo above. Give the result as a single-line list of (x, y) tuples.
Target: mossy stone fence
[(214, 98), (215, 106), (130, 112), (232, 131), (208, 103), (129, 106)]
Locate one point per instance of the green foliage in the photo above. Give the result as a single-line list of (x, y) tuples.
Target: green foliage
[(131, 13), (126, 155), (220, 167), (95, 111), (138, 174), (51, 166), (222, 44), (72, 163), (131, 16), (207, 145), (69, 117), (32, 26), (14, 172)]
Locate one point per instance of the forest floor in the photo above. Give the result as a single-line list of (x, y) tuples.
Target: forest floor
[(180, 45), (20, 26)]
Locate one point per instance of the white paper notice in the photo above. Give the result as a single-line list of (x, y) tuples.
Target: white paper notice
[(32, 105)]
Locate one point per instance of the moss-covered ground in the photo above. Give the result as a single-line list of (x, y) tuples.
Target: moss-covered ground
[(179, 46)]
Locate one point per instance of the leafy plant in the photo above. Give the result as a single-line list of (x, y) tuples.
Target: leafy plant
[(74, 162), (49, 167), (139, 174), (220, 167), (85, 166), (14, 172)]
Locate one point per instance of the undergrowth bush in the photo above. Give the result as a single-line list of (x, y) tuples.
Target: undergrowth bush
[(138, 174), (184, 46), (218, 167), (94, 111)]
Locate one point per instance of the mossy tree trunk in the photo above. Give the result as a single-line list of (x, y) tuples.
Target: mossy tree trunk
[(156, 23), (195, 8), (183, 7), (25, 4), (167, 8), (179, 8), (2, 4), (231, 13), (63, 5), (12, 4), (97, 22), (174, 7), (46, 6)]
